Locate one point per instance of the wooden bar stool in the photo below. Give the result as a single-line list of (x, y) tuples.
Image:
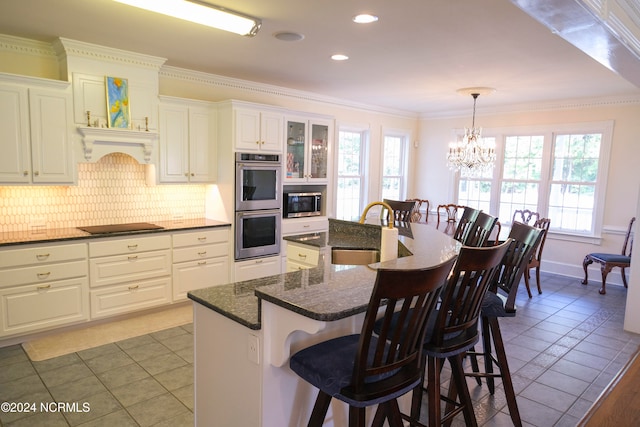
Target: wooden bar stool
[(523, 241), (375, 369)]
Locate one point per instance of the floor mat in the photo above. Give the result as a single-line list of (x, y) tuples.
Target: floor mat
[(94, 336)]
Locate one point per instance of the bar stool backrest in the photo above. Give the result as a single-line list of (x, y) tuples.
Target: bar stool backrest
[(525, 239), (392, 360), (456, 328)]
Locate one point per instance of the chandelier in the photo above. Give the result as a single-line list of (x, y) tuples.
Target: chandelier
[(472, 155)]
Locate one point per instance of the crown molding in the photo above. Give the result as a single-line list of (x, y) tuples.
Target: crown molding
[(278, 91), (555, 105), (65, 48), (26, 46)]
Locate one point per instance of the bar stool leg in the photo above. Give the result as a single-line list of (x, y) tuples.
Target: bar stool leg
[(433, 391), (458, 377), (509, 391)]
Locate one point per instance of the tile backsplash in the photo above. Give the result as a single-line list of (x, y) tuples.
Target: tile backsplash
[(110, 191)]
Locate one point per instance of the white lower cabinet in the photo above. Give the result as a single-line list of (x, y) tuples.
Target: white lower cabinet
[(300, 257), (51, 285), (42, 287), (36, 307), (130, 296), (293, 226), (129, 274), (256, 268), (200, 260)]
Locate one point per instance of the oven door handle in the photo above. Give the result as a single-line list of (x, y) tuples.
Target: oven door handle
[(262, 212)]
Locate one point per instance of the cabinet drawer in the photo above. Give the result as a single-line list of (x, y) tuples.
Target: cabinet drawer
[(42, 273), (202, 237), (127, 268), (303, 254), (129, 297), (37, 307), (200, 252), (42, 255), (293, 226), (188, 276), (257, 268), (295, 266), (129, 245)]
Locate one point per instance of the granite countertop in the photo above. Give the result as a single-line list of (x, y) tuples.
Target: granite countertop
[(65, 234), (328, 292)]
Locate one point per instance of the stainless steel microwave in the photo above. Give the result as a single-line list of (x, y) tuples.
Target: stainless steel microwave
[(302, 204)]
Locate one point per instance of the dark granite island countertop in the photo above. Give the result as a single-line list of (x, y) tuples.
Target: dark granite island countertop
[(328, 292)]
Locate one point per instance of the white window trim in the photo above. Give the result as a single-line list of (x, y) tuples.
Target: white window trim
[(365, 130), (406, 137), (549, 132)]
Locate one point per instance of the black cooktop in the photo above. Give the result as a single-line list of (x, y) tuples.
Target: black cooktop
[(120, 228)]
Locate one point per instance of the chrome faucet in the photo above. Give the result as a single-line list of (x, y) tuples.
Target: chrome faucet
[(384, 205)]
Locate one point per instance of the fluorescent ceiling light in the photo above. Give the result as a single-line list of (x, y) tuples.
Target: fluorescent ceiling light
[(339, 57), (201, 13)]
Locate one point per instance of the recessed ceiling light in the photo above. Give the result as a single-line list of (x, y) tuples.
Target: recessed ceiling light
[(364, 18), (288, 36), (339, 57)]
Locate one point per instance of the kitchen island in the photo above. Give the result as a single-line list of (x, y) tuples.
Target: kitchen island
[(246, 331)]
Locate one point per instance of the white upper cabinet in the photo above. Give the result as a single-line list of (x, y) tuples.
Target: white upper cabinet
[(187, 142), (258, 130), (35, 134), (250, 127)]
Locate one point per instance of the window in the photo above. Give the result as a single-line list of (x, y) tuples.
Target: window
[(559, 172), (521, 175), (393, 166), (574, 178), (350, 181)]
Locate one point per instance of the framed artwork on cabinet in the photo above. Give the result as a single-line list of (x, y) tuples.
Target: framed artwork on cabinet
[(118, 112)]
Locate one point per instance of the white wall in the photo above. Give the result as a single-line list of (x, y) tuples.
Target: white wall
[(632, 314)]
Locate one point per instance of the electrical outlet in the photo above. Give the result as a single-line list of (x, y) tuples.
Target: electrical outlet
[(253, 349)]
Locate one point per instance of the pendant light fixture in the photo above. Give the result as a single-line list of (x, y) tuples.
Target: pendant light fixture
[(472, 154)]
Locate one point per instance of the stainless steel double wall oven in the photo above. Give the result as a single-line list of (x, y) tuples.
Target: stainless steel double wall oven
[(258, 205)]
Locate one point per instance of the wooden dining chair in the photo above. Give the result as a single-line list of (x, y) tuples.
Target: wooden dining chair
[(370, 368), (465, 224), (417, 214), (402, 210), (525, 216), (449, 212), (536, 258), (609, 261)]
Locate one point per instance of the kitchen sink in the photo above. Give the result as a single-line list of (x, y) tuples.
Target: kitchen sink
[(354, 256)]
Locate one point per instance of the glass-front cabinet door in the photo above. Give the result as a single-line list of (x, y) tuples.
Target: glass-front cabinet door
[(319, 151), (295, 149), (307, 151)]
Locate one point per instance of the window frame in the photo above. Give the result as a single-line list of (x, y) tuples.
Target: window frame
[(549, 133), (405, 137), (364, 132)]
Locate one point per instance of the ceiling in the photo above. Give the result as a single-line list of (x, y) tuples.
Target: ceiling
[(413, 59)]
